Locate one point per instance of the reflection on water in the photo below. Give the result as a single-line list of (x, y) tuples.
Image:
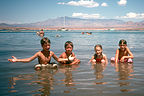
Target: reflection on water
[(13, 80), (81, 80), (68, 79), (125, 71), (44, 80), (98, 69)]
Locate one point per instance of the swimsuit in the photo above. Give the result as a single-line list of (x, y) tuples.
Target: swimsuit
[(98, 59)]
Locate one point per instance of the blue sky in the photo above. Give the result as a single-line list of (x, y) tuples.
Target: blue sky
[(30, 11)]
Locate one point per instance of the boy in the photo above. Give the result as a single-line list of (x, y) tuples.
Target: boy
[(43, 56), (123, 54), (68, 57)]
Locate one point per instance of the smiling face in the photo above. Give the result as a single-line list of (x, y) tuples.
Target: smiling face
[(69, 49), (46, 47), (98, 50), (45, 43), (122, 46)]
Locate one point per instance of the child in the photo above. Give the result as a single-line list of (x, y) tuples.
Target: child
[(123, 54), (40, 33), (44, 56), (68, 57), (98, 57)]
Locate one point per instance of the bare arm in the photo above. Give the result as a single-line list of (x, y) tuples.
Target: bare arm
[(105, 58), (54, 56), (116, 59), (116, 56), (130, 55), (62, 58), (91, 59), (72, 58), (24, 60)]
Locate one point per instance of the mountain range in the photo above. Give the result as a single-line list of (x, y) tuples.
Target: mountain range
[(70, 22)]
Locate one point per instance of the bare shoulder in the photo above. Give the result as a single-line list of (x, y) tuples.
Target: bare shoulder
[(63, 55), (51, 53), (117, 50), (38, 53), (127, 49), (104, 55)]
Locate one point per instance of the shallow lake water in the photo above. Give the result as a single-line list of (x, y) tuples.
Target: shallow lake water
[(21, 79)]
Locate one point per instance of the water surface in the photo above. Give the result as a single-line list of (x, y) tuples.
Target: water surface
[(21, 79)]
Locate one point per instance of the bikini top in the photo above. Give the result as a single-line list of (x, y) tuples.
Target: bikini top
[(98, 59)]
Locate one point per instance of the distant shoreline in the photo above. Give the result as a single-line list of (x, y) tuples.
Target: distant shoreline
[(16, 29)]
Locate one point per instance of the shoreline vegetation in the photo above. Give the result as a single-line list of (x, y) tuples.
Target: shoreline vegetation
[(23, 29)]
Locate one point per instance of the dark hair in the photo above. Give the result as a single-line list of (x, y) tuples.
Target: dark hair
[(98, 45), (67, 43), (45, 40), (122, 41)]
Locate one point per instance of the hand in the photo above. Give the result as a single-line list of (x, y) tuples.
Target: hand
[(13, 60), (93, 61), (122, 59)]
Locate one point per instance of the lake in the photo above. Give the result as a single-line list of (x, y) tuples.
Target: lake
[(21, 79)]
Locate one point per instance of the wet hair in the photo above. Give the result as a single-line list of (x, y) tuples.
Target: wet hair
[(122, 41), (45, 40), (67, 43), (98, 45)]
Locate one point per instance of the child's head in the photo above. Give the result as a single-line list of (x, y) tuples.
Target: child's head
[(122, 44), (68, 46), (98, 49), (122, 41), (45, 43), (41, 30), (68, 43), (45, 40)]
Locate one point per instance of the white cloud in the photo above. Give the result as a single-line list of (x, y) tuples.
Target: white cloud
[(104, 4), (87, 16), (62, 3), (122, 2), (133, 15), (84, 3)]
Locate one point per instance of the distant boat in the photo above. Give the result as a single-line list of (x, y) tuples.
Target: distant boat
[(111, 29), (63, 28)]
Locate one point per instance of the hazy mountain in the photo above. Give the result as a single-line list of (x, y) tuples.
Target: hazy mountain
[(77, 23)]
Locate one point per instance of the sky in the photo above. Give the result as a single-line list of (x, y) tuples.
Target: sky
[(31, 11)]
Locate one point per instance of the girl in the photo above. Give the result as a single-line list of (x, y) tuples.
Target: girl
[(98, 57)]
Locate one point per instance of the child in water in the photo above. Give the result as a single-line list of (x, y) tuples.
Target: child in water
[(123, 54), (44, 56), (68, 57), (40, 33), (98, 57)]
